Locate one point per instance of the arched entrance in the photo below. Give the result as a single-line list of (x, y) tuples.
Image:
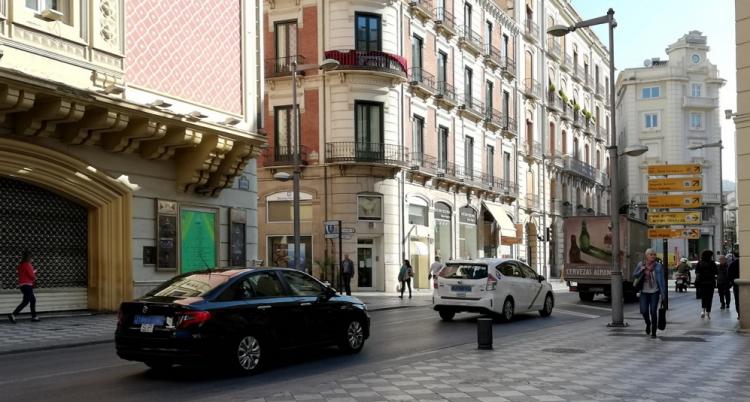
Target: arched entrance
[(58, 181)]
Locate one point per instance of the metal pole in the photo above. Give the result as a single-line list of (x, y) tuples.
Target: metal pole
[(296, 174), (341, 259), (721, 203), (616, 291)]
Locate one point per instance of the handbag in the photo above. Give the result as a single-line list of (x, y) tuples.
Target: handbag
[(638, 284), (662, 322)]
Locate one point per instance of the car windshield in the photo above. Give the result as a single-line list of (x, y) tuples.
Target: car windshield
[(193, 285), (464, 271)]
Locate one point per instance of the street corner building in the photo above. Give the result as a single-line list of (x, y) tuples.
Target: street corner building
[(447, 128), (128, 132)]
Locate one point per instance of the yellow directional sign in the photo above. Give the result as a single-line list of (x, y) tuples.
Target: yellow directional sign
[(675, 218), (680, 184), (675, 201), (674, 233), (662, 170)]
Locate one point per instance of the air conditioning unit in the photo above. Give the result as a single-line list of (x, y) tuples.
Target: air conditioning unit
[(52, 14)]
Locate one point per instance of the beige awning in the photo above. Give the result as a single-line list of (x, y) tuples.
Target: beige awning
[(507, 228)]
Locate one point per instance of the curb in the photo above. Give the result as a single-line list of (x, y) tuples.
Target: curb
[(53, 347)]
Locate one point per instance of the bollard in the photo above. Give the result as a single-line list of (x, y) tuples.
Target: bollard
[(484, 333)]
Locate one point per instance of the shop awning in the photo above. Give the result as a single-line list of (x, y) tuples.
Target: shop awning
[(507, 228)]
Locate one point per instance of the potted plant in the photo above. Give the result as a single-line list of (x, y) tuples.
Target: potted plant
[(552, 87)]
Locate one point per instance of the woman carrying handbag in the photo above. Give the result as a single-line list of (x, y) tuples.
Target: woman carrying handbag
[(650, 277)]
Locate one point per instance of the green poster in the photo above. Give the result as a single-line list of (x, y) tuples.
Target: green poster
[(198, 240)]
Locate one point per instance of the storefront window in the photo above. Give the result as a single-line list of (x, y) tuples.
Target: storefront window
[(281, 252), (281, 209), (443, 231), (418, 215), (467, 233)]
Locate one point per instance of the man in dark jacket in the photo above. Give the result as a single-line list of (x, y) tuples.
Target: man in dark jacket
[(347, 272), (734, 273), (722, 282)]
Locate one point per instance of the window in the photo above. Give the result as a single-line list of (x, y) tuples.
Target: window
[(368, 32), (504, 49), (286, 42), (506, 106), (417, 137), (696, 120), (575, 148), (442, 146), (368, 121), (468, 76), (469, 155), (696, 90), (489, 34), (490, 161), (281, 252), (302, 285), (467, 17), (283, 132), (651, 120), (506, 166), (528, 272), (488, 96), (650, 92), (265, 284), (418, 215), (61, 6), (370, 207), (416, 56)]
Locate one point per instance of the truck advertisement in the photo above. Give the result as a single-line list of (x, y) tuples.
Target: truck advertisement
[(588, 253)]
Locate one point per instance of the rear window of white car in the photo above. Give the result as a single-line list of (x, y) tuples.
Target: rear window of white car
[(464, 271)]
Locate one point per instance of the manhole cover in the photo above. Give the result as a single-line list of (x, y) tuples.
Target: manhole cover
[(704, 333), (681, 339), (563, 350)]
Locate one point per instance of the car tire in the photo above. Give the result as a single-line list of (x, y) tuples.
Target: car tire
[(158, 365), (586, 296), (508, 310), (352, 337), (248, 355), (447, 315), (549, 303)]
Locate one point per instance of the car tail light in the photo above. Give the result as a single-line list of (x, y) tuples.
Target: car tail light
[(192, 318), (491, 283)]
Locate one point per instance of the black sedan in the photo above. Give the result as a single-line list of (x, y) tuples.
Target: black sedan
[(237, 317)]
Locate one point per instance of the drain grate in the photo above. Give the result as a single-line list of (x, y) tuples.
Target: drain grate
[(681, 339), (563, 350), (704, 333)]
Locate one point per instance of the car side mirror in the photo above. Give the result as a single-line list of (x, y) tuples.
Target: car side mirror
[(328, 293), (540, 278)]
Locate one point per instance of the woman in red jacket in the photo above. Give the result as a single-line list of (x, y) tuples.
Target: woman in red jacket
[(26, 279)]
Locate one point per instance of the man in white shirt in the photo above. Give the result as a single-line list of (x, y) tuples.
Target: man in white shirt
[(435, 267)]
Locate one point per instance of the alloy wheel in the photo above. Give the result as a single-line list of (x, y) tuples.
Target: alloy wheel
[(508, 310), (355, 335), (248, 353)]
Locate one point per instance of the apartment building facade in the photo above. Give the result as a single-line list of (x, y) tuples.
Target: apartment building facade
[(670, 105), (126, 144), (431, 137)]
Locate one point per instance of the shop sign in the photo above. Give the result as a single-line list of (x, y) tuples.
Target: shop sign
[(675, 201), (442, 211), (467, 215), (664, 170), (675, 218), (679, 184)]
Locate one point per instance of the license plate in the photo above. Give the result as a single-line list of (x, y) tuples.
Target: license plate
[(148, 319), (461, 288), (147, 327), (461, 294)]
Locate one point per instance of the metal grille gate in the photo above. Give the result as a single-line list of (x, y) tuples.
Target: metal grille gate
[(55, 230)]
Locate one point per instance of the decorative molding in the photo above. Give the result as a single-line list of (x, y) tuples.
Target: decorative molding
[(129, 139), (175, 137), (195, 164), (94, 122), (43, 118), (50, 42)]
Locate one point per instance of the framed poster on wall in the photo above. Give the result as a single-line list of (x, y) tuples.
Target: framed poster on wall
[(199, 237), (237, 232), (166, 235)]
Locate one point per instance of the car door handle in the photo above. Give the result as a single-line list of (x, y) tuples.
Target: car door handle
[(264, 307), (305, 304)]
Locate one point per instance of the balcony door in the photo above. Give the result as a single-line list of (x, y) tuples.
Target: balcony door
[(417, 139), (442, 71), (283, 134), (468, 77), (469, 156), (506, 108), (442, 147), (368, 117), (416, 58), (368, 32), (286, 45)]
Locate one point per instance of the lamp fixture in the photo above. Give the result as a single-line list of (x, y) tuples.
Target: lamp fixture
[(195, 115), (159, 104)]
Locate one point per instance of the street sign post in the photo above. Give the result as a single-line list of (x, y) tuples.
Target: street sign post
[(676, 184), (665, 170), (675, 201), (675, 218), (662, 233)]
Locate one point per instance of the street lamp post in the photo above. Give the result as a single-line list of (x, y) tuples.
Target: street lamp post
[(717, 144), (326, 65), (616, 284)]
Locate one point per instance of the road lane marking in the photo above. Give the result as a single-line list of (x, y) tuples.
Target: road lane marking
[(575, 313), (587, 306)]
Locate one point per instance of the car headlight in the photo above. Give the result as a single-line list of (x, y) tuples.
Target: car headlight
[(361, 306)]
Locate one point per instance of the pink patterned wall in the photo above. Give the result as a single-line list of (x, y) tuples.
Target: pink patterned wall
[(190, 49)]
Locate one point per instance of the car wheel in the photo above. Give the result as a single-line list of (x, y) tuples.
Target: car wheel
[(158, 365), (586, 296), (549, 303), (507, 313), (447, 315), (353, 338), (248, 355)]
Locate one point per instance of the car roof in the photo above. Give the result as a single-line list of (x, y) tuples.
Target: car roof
[(232, 272), (487, 261)]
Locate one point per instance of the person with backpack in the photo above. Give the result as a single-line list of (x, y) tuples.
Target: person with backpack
[(404, 276)]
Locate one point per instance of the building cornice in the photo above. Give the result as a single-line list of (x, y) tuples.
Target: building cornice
[(500, 15)]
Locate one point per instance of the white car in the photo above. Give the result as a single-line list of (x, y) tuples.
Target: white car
[(491, 286)]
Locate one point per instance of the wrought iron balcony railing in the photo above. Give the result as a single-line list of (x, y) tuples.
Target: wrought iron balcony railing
[(284, 156), (509, 124), (532, 88), (369, 60), (282, 66), (492, 55), (366, 152), (531, 29), (509, 66), (567, 62), (554, 49), (446, 92), (423, 162), (420, 77), (580, 168), (445, 21), (472, 39), (554, 101), (493, 118), (473, 105), (421, 7)]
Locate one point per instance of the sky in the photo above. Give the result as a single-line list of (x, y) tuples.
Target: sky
[(646, 27)]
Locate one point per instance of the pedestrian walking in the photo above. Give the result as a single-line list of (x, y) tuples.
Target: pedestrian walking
[(650, 274), (705, 281), (347, 272), (734, 273), (26, 280), (404, 276), (722, 282), (435, 268)]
